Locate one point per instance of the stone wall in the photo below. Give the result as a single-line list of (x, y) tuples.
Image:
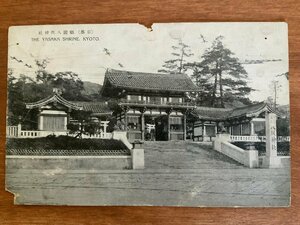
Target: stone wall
[(69, 162)]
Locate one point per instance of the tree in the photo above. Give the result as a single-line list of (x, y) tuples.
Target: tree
[(275, 88), (41, 74), (15, 104), (84, 124), (177, 64), (26, 89), (221, 76), (70, 84)]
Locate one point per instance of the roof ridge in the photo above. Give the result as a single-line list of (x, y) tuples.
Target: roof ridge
[(49, 99), (207, 107), (138, 72), (246, 106), (149, 81)]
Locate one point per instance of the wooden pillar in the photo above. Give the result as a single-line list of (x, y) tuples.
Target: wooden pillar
[(168, 123), (193, 135), (143, 123), (125, 118), (184, 126), (143, 126), (241, 129), (169, 127), (252, 131), (203, 131), (66, 123), (68, 115), (41, 122)]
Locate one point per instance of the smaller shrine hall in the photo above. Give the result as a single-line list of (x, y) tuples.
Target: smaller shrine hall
[(243, 121), (54, 112)]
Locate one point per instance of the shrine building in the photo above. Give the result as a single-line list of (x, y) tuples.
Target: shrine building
[(150, 100), (150, 106)]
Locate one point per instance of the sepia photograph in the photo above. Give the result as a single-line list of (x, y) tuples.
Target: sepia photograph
[(179, 114)]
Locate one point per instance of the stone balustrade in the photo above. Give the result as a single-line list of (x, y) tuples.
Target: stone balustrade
[(255, 138), (248, 158)]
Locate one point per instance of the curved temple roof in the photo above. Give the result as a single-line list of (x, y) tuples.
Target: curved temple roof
[(97, 108), (221, 114), (53, 98), (150, 81)]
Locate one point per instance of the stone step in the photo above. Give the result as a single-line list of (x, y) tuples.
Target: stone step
[(185, 155)]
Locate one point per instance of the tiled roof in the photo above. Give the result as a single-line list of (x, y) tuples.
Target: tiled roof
[(219, 114), (250, 109), (94, 107), (53, 98), (210, 113), (150, 81)]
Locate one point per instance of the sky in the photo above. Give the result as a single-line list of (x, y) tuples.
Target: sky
[(81, 49)]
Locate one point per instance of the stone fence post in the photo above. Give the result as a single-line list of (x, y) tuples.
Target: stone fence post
[(221, 137), (19, 129), (137, 154), (122, 136)]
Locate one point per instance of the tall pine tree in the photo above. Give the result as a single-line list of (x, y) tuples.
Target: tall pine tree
[(177, 63), (221, 76)]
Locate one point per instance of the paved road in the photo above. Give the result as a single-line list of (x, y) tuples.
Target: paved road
[(190, 177), (204, 187)]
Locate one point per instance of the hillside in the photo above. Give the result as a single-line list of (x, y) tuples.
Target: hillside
[(91, 88)]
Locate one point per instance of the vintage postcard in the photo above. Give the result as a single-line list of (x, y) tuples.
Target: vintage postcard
[(182, 114)]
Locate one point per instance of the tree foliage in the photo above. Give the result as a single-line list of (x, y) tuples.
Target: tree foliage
[(181, 51), (220, 76), (26, 89), (84, 124)]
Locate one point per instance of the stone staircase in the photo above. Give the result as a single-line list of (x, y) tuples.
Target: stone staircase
[(185, 155)]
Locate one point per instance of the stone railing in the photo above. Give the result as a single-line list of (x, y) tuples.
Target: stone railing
[(248, 158), (122, 136), (255, 138), (11, 131), (41, 133), (17, 132), (100, 135)]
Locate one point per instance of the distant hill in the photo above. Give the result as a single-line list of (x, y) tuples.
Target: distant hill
[(91, 88)]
